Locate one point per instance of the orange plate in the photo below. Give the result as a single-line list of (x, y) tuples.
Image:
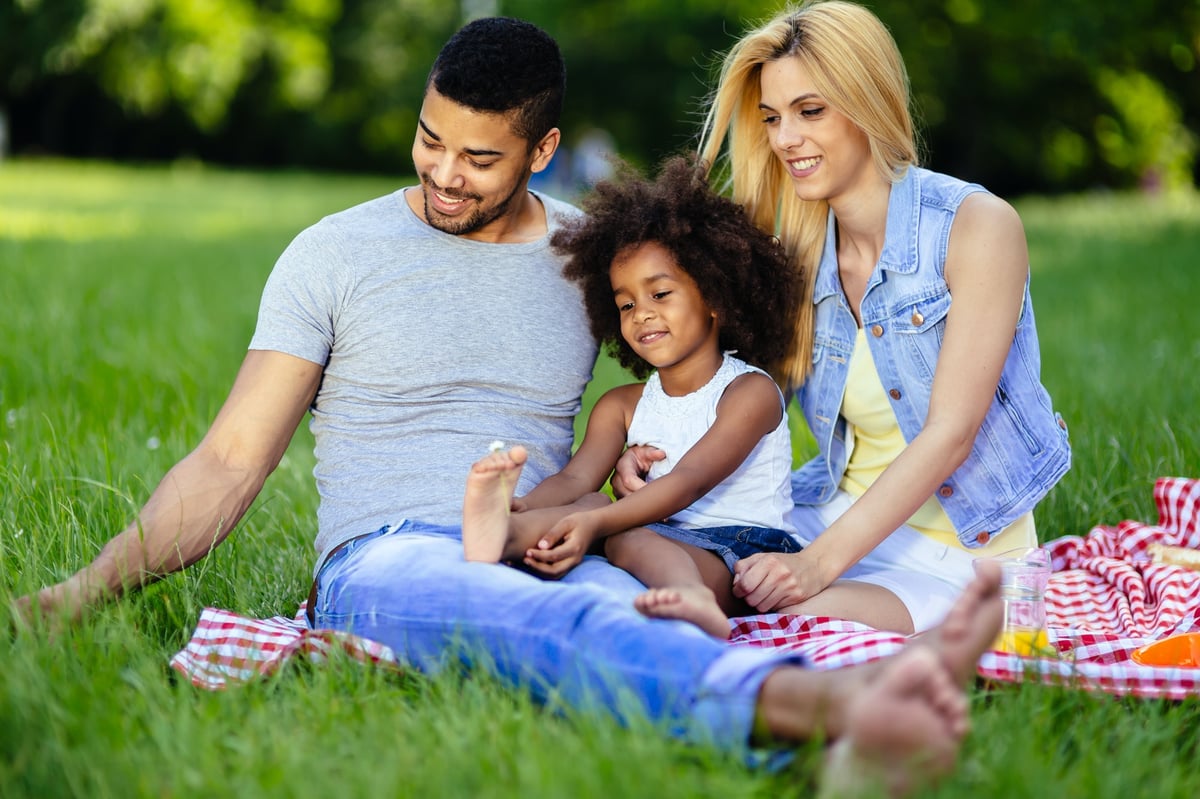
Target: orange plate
[(1181, 651)]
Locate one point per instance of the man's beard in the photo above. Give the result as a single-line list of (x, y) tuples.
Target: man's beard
[(476, 219)]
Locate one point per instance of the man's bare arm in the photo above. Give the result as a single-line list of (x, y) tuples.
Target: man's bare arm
[(204, 495)]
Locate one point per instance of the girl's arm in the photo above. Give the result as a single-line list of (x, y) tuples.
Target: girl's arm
[(748, 410), (987, 265), (590, 466)]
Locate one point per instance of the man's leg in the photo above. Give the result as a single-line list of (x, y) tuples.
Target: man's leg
[(580, 643), (586, 646)]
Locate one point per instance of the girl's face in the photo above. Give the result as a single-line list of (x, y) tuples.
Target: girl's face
[(664, 318), (827, 155)]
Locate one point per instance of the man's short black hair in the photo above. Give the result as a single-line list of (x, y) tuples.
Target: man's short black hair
[(502, 65)]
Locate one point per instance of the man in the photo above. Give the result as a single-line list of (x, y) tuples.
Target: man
[(419, 327)]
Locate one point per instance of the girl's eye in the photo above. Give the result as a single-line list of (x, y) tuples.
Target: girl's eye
[(658, 295), (624, 306), (770, 119), (812, 112)]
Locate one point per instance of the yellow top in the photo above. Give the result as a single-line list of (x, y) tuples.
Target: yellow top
[(877, 441)]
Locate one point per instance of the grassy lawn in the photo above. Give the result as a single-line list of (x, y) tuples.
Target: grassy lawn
[(128, 298)]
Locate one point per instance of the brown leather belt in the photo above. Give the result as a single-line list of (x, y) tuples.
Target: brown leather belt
[(310, 607)]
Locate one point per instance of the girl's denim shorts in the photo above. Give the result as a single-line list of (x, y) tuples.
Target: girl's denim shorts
[(730, 543)]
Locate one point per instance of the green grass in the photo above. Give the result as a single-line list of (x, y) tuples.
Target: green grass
[(128, 298)]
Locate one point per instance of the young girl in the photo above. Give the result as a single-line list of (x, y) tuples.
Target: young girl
[(676, 279)]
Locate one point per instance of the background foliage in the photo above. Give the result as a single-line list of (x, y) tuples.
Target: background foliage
[(1022, 95), (130, 295)]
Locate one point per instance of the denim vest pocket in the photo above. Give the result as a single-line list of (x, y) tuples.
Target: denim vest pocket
[(1014, 415), (914, 329), (923, 313)]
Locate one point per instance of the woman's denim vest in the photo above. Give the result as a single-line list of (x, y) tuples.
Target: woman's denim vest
[(1021, 450)]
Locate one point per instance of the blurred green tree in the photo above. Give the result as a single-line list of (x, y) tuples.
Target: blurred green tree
[(194, 53), (1021, 95)]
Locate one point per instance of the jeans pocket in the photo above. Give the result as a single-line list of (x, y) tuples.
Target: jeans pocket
[(330, 569)]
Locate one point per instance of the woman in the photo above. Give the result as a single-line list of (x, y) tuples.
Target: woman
[(915, 357)]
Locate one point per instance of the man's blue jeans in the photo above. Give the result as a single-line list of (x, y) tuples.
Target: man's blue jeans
[(578, 640)]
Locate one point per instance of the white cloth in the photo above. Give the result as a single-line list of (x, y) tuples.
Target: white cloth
[(758, 493), (926, 575)]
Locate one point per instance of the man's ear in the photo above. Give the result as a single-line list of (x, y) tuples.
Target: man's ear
[(544, 150)]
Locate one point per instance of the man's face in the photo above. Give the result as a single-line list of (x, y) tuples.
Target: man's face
[(473, 167)]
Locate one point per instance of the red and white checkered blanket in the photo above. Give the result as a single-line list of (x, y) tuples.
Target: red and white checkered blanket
[(1105, 598)]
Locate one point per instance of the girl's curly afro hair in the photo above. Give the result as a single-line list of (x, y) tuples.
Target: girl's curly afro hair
[(742, 272)]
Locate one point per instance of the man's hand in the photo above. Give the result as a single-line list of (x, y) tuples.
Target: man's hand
[(632, 468), (768, 581), (56, 604), (563, 547), (201, 498)]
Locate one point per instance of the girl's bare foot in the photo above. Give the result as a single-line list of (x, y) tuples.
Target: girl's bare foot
[(695, 604), (490, 486)]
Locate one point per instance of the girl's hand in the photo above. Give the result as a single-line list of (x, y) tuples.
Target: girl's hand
[(768, 581), (632, 468), (563, 547)]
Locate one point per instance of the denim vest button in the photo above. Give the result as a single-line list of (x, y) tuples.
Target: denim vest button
[(945, 491), (1062, 423), (983, 537), (917, 319), (894, 393), (876, 330)]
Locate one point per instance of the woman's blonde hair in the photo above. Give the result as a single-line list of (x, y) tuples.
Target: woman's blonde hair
[(856, 67)]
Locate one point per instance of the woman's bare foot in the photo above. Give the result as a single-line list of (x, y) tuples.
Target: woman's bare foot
[(903, 730), (691, 603), (490, 486)]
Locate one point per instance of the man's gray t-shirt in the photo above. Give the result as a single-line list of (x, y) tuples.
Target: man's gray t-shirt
[(434, 346)]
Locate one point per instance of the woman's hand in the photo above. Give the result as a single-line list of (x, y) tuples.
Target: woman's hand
[(632, 468), (768, 581)]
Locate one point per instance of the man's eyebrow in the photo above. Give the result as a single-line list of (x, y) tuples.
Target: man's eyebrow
[(428, 132), (468, 151)]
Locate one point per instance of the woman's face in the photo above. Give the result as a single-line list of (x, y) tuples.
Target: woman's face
[(827, 155)]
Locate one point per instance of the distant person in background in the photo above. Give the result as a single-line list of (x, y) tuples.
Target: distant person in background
[(592, 158), (915, 357)]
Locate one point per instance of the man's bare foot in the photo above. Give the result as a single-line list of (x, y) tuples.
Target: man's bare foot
[(971, 626), (927, 680), (695, 604), (903, 730), (490, 486)]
